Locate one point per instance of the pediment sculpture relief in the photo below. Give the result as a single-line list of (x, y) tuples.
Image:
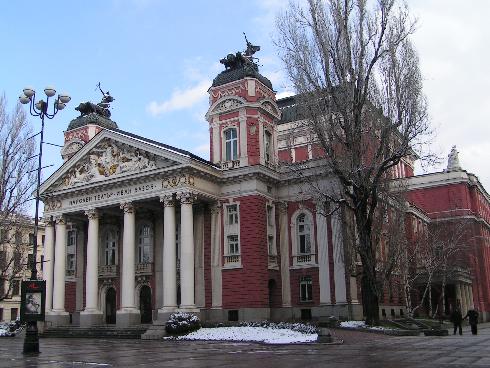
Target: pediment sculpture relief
[(107, 159)]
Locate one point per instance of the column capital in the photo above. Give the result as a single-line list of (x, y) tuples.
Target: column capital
[(282, 206), (186, 197), (215, 208), (167, 200), (48, 220), (60, 220), (127, 207), (92, 214)]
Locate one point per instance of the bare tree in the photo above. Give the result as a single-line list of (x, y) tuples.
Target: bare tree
[(357, 77), (17, 180)]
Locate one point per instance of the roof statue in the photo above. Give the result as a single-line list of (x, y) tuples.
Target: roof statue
[(240, 59), (240, 65), (102, 108), (453, 160)]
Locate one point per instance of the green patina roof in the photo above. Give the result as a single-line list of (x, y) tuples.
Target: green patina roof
[(92, 118), (234, 74)]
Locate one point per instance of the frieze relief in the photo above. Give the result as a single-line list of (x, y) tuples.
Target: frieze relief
[(107, 159), (177, 181), (227, 105), (52, 204)]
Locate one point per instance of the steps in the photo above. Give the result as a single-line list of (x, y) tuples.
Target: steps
[(97, 332)]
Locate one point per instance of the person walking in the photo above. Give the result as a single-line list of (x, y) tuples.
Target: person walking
[(472, 316), (457, 318)]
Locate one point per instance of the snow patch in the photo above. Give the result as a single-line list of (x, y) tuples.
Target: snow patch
[(362, 324), (256, 334)]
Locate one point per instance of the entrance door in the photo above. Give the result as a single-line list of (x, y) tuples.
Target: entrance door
[(110, 306), (145, 304)]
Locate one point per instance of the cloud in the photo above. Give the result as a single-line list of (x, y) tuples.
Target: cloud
[(181, 99)]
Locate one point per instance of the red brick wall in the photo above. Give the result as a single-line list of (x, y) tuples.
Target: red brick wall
[(70, 296), (253, 148), (285, 155), (301, 153), (248, 286)]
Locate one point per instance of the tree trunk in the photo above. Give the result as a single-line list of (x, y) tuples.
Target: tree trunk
[(370, 300)]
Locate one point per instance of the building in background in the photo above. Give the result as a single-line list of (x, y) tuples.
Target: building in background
[(16, 242)]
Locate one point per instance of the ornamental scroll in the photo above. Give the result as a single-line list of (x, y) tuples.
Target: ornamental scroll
[(107, 159)]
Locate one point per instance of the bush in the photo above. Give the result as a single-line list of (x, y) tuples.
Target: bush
[(182, 323)]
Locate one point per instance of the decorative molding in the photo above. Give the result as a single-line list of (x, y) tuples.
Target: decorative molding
[(227, 105), (186, 197), (270, 108), (282, 207), (107, 159), (92, 214), (178, 180), (60, 220), (264, 92), (167, 200), (52, 204), (127, 207), (232, 91)]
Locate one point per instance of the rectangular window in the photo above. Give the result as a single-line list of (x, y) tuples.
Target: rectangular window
[(270, 245), (30, 261), (15, 287), (1, 314), (232, 211), (268, 146), (306, 289), (270, 216), (71, 249), (13, 314), (233, 247), (42, 262), (3, 235), (18, 238), (31, 239), (42, 240), (3, 260), (17, 260)]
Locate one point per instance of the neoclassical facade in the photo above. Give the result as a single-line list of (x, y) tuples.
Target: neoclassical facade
[(137, 229)]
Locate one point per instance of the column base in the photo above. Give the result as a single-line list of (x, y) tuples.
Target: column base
[(188, 309), (57, 318), (165, 312), (128, 317), (91, 318)]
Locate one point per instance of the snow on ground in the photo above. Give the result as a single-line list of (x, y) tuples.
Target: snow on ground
[(362, 324), (257, 334)]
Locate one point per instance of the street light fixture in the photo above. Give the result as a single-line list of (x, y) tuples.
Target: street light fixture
[(39, 108)]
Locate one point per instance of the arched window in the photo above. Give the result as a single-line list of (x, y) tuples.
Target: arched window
[(145, 243), (110, 247), (267, 147), (303, 233), (231, 144)]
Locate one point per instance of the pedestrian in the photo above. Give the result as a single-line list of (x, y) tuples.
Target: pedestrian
[(457, 319), (472, 316)]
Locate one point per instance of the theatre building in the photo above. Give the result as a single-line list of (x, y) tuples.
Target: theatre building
[(136, 229)]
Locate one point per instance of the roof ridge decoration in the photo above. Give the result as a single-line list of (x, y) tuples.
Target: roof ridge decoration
[(107, 158)]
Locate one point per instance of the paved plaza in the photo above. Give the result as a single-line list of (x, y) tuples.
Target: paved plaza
[(358, 350)]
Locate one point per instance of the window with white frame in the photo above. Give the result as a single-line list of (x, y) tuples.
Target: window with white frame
[(71, 251), (232, 238), (267, 146), (270, 245), (231, 144), (303, 234), (233, 245), (232, 214), (305, 289), (110, 247), (145, 243)]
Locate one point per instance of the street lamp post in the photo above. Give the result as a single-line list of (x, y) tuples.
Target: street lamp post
[(39, 108)]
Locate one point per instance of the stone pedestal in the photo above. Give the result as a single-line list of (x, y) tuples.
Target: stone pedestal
[(58, 319), (91, 318), (128, 317)]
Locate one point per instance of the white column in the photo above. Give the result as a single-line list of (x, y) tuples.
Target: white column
[(169, 255), (49, 262), (128, 266), (59, 266), (187, 251), (284, 245), (458, 296), (216, 278), (92, 277), (199, 286)]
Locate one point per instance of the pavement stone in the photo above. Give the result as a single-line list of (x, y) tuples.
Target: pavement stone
[(360, 350)]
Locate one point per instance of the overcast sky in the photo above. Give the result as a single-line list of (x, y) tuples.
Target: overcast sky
[(158, 58)]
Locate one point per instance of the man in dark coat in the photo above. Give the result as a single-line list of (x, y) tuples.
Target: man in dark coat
[(457, 319), (472, 316)]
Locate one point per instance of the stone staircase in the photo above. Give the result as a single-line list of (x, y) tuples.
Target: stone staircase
[(98, 332)]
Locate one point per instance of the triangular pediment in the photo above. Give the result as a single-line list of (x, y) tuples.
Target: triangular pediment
[(110, 156)]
